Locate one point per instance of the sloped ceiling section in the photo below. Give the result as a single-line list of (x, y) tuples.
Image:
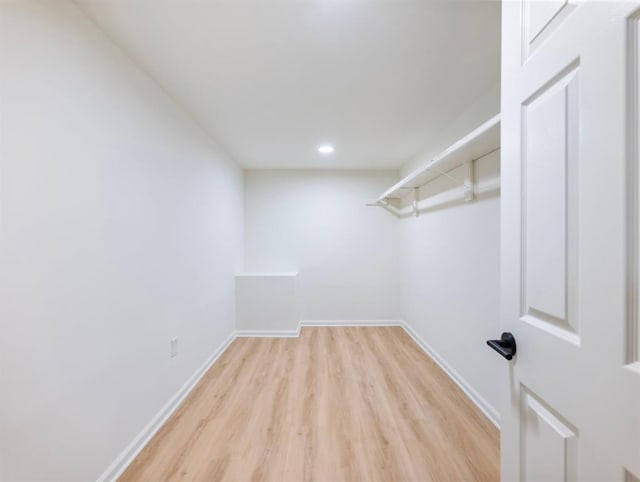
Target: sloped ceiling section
[(271, 80)]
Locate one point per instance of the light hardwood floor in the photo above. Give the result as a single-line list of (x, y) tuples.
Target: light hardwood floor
[(336, 404)]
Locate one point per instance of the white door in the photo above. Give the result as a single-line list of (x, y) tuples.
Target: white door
[(571, 398)]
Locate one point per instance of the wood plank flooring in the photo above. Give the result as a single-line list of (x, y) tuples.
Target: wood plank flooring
[(335, 404)]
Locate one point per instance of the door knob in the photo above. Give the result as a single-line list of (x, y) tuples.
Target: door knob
[(506, 345)]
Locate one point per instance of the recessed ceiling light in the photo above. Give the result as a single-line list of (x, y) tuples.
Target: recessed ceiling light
[(326, 149)]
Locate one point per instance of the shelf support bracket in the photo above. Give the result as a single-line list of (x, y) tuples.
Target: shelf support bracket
[(416, 198), (469, 192), (384, 203)]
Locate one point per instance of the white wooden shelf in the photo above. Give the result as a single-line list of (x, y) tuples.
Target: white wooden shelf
[(478, 143)]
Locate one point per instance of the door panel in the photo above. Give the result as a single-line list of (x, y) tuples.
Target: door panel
[(549, 140), (549, 443), (539, 20), (571, 398)]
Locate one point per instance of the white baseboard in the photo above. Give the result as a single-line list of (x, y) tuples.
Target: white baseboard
[(268, 333), (351, 323), (485, 407), (120, 464), (296, 333)]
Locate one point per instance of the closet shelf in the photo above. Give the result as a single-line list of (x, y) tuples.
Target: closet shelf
[(478, 143)]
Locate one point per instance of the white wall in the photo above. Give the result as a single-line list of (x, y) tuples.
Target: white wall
[(267, 302), (450, 273), (316, 222), (120, 227)]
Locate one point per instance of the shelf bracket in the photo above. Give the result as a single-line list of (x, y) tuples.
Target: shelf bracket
[(467, 183), (469, 191), (416, 199), (384, 203)]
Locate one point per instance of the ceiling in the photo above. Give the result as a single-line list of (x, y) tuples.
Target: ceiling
[(270, 80)]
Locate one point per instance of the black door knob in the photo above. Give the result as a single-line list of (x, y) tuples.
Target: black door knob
[(506, 345)]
